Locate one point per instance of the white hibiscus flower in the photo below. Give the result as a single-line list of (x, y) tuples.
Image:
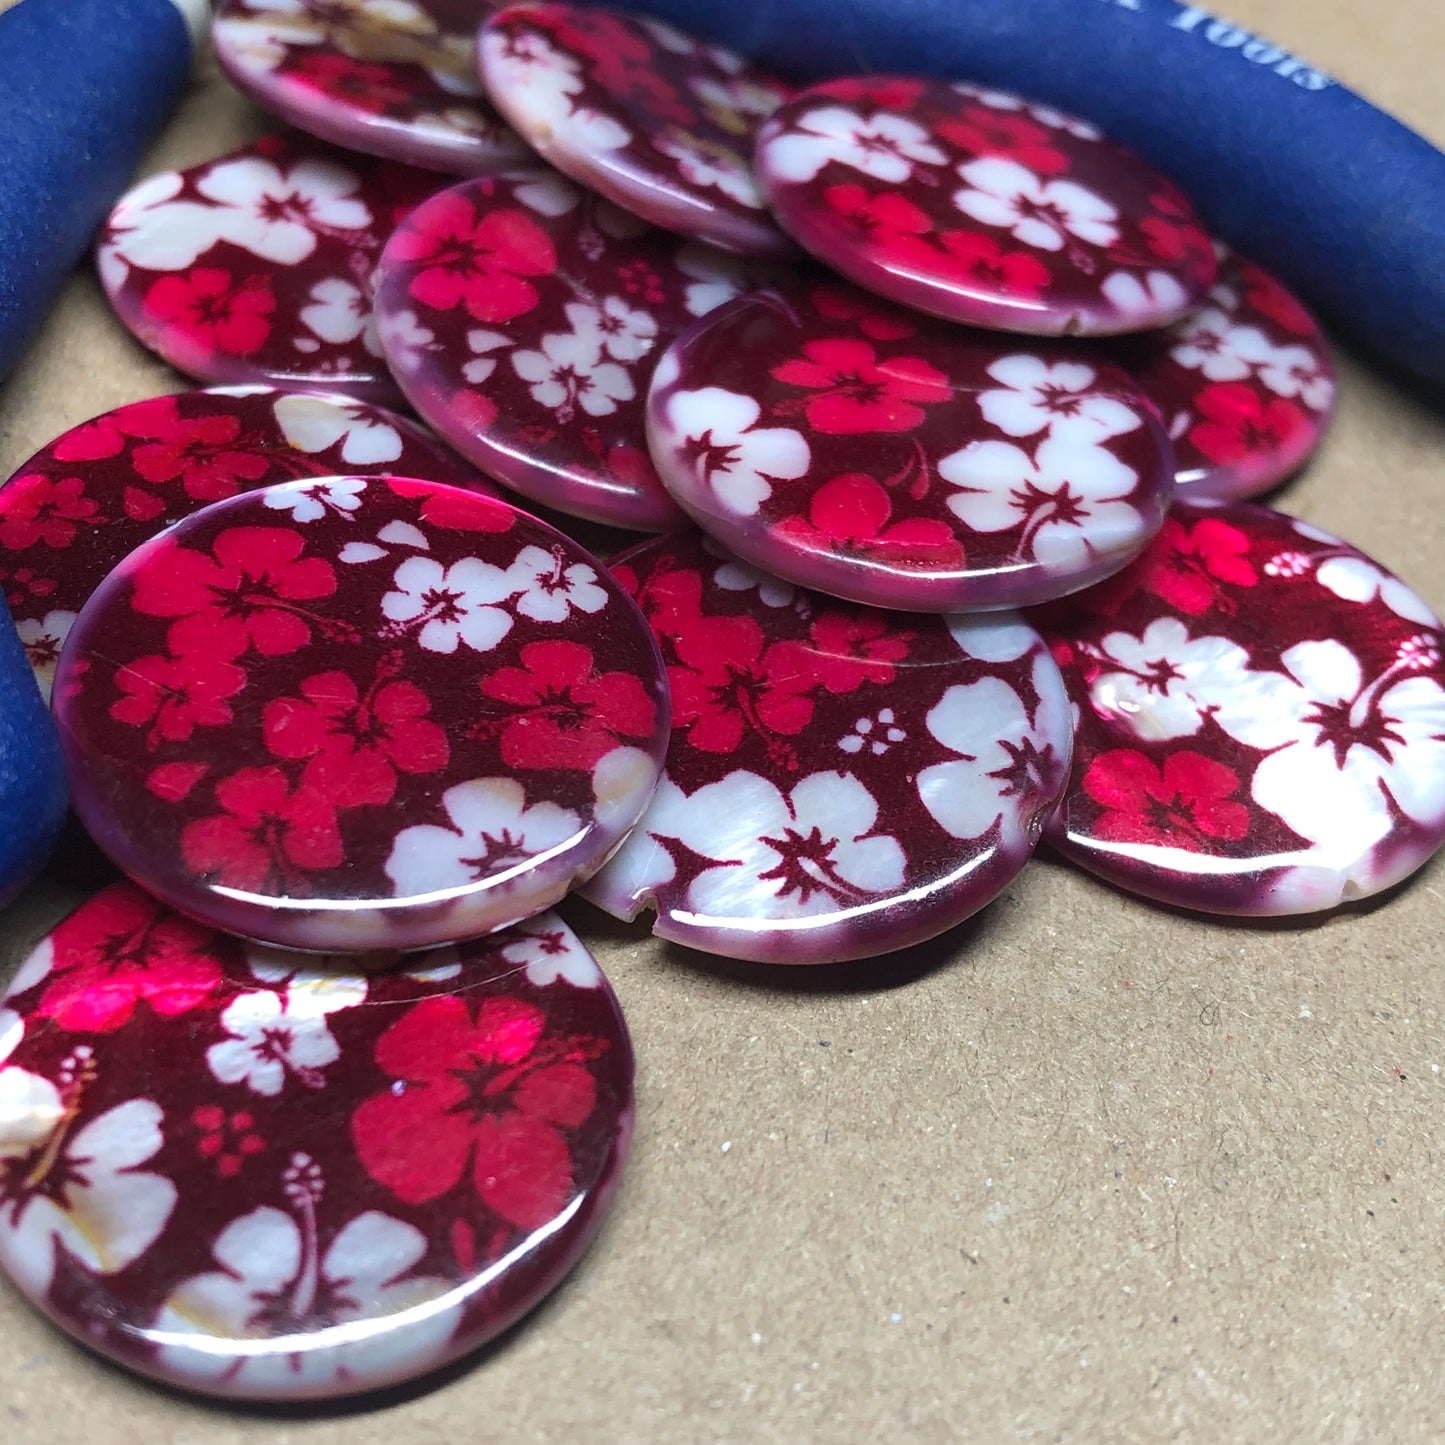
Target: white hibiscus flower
[(271, 1044), (1158, 294), (42, 639), (1296, 371), (81, 1189), (317, 423), (1347, 752), (493, 832), (1007, 762), (1209, 342), (551, 953), (259, 44), (775, 856), (541, 84), (481, 342), (1356, 580), (405, 340), (714, 277), (275, 1281), (1068, 498), (712, 433), (992, 636), (713, 169), (278, 214), (547, 589), (886, 147), (1162, 684), (313, 986), (1039, 213), (449, 606), (624, 333), (150, 229), (310, 501), (1057, 397), (739, 577), (568, 372), (338, 312), (545, 192)]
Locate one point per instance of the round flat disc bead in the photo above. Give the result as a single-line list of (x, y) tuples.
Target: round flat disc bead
[(1245, 385), (841, 782), (887, 458), (81, 503), (259, 1175), (980, 207), (1261, 719), (255, 267), (654, 120), (523, 317), (384, 714), (393, 78)]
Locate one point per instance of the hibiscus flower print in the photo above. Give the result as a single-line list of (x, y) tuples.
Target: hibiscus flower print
[(172, 696), (339, 313), (248, 591), (1347, 754), (1063, 398), (315, 424), (551, 955), (567, 372), (715, 167), (716, 434), (487, 1087), (848, 516), (493, 830), (813, 851), (1038, 213), (1237, 424), (478, 262), (121, 951), (854, 392), (282, 1273), (210, 309), (1156, 294), (1209, 342), (207, 454), (1355, 580), (1185, 566), (72, 1184), (546, 588), (624, 333), (271, 1045), (1067, 501), (1189, 801), (886, 147), (353, 742), (984, 131), (563, 712), (447, 607), (1002, 776), (277, 214), (311, 501), (39, 510), (268, 835)]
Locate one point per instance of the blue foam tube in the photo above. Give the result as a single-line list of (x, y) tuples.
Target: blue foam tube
[(84, 86), (1341, 200)]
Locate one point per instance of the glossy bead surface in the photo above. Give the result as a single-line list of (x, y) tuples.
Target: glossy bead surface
[(654, 120), (379, 714), (74, 509), (841, 782), (1261, 719), (391, 78), (891, 459), (255, 267), (263, 1175), (1245, 385), (523, 317), (981, 207)]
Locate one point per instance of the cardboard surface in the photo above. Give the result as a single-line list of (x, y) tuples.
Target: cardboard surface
[(1083, 1170)]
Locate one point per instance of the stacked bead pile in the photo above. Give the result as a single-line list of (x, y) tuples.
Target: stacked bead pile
[(911, 355)]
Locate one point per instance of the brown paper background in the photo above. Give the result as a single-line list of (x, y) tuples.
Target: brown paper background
[(1084, 1170)]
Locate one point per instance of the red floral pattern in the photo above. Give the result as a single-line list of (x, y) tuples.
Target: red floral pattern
[(473, 1110), (255, 707), (79, 505), (1245, 385), (778, 691), (654, 120), (1261, 718), (890, 459), (389, 80), (579, 301), (254, 267), (1054, 229)]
